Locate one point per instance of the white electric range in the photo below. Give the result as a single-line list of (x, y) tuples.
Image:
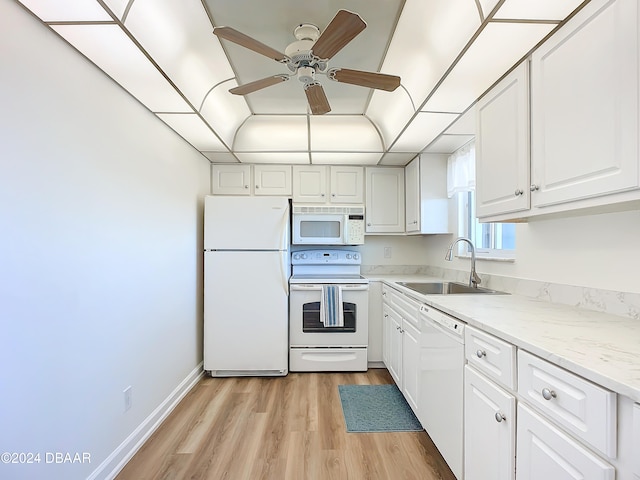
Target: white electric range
[(328, 281)]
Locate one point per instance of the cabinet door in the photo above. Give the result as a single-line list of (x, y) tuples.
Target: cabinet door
[(490, 427), (412, 195), (584, 106), (395, 347), (272, 180), (310, 183), (385, 200), (502, 146), (410, 364), (347, 184), (386, 337), (231, 179), (545, 452), (374, 320)]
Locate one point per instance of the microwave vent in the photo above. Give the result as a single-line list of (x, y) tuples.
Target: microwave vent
[(341, 209)]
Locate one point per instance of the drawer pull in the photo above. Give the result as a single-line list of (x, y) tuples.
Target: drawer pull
[(548, 394), (481, 353), (500, 417)]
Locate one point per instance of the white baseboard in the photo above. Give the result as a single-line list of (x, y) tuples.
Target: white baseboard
[(115, 462), (376, 364)]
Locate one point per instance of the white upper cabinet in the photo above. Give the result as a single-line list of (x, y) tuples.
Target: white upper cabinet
[(502, 146), (239, 180), (347, 184), (231, 179), (272, 180), (584, 106), (426, 203), (328, 184), (384, 209)]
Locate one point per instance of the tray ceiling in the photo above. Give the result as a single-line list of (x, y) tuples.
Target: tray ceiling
[(447, 53)]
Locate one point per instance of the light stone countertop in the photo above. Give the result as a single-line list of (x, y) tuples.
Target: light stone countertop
[(601, 347)]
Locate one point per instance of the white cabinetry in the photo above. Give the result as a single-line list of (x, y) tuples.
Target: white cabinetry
[(584, 106), (489, 410), (426, 203), (502, 146), (375, 324), (384, 210), (328, 184), (490, 428), (251, 179), (231, 179), (402, 340), (545, 452)]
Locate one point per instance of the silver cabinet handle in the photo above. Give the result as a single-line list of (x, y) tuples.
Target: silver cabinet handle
[(481, 353), (534, 187), (322, 194), (548, 394), (257, 186), (246, 186), (368, 224), (499, 416), (386, 316), (519, 192), (333, 194)]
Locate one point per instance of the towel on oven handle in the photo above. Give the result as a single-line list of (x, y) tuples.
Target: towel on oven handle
[(331, 306)]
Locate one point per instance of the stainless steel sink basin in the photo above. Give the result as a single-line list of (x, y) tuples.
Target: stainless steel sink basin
[(447, 288)]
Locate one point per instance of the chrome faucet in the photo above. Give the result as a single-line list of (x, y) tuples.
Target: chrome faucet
[(474, 279)]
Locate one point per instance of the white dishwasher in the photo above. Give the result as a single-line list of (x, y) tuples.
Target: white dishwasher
[(441, 382)]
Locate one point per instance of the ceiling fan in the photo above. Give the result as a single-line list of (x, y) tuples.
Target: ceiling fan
[(309, 55)]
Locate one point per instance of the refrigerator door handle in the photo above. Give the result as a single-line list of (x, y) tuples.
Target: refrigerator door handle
[(283, 230), (284, 259)]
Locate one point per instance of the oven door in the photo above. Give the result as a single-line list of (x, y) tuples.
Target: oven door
[(319, 229), (306, 329)]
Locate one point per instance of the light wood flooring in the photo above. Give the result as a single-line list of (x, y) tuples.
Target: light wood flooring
[(279, 428)]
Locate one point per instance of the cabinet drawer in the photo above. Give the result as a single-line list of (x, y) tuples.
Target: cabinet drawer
[(545, 452), (495, 357), (583, 408), (408, 308)]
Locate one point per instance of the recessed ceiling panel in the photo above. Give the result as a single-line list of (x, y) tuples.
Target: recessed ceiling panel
[(448, 143), (397, 159), (495, 51), (538, 10), (271, 133), (66, 10), (390, 111), (430, 35), (220, 157), (224, 112), (275, 157), (178, 35), (422, 130), (344, 134), (345, 158), (273, 23), (190, 127), (465, 124), (110, 49)]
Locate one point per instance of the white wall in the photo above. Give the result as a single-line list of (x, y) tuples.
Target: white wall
[(100, 254), (596, 251)]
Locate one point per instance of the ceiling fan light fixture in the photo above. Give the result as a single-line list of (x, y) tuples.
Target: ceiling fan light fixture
[(306, 75)]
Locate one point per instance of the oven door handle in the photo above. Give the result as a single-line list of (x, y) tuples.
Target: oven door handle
[(310, 288)]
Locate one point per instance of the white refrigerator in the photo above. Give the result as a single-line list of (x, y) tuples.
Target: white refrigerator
[(246, 275)]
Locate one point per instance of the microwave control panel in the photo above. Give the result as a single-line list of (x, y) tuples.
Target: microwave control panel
[(355, 230)]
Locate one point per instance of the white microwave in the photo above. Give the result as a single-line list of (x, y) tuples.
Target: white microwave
[(328, 224)]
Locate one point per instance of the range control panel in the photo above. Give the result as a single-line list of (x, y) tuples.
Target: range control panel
[(325, 257)]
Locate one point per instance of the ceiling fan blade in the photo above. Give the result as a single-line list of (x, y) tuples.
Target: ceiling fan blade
[(317, 99), (258, 85), (380, 81), (246, 41), (340, 31)]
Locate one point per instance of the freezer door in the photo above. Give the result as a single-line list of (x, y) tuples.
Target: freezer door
[(246, 223), (246, 313)]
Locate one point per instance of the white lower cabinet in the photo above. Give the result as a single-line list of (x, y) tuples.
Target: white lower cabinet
[(490, 429), (545, 453), (395, 347), (410, 363)]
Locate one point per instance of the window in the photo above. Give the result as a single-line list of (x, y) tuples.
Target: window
[(492, 240)]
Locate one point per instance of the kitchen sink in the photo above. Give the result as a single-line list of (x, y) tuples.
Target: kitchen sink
[(447, 288)]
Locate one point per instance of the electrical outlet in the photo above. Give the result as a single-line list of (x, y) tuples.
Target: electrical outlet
[(387, 252), (128, 401)]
